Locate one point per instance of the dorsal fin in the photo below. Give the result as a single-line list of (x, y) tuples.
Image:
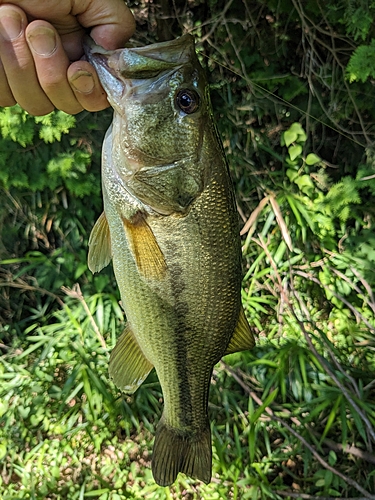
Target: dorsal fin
[(100, 253), (145, 249), (242, 338)]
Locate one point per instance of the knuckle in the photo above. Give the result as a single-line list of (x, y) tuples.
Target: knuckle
[(52, 81)]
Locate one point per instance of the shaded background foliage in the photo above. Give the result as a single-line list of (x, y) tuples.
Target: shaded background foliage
[(292, 86)]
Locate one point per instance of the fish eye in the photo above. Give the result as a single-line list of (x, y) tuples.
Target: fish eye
[(187, 100)]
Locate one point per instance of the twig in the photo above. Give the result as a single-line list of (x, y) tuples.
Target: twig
[(334, 378), (240, 211), (264, 246), (254, 215), (235, 48), (320, 358), (325, 340), (24, 286), (332, 445), (324, 363), (268, 410), (366, 285), (368, 386), (76, 293), (219, 20), (354, 286), (281, 222), (351, 450), (339, 297)]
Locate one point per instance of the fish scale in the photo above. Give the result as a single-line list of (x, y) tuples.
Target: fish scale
[(170, 226)]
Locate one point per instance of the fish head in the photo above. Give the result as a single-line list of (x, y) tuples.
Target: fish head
[(160, 97)]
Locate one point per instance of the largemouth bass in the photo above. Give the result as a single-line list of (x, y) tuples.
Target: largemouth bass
[(170, 225)]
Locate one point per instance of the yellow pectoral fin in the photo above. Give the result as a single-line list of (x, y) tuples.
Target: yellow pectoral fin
[(145, 249), (242, 338), (128, 366), (100, 253)]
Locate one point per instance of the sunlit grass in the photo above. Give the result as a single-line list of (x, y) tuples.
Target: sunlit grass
[(294, 417), (66, 432)]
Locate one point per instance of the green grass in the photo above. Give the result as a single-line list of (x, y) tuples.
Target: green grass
[(293, 418), (282, 415)]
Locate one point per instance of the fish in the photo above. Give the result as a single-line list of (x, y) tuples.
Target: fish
[(171, 228)]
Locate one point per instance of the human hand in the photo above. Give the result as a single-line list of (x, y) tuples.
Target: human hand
[(41, 47)]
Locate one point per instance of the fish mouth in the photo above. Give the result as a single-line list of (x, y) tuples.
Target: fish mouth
[(138, 63), (172, 52)]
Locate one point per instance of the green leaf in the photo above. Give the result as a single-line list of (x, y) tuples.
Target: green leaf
[(332, 458), (302, 137), (3, 407), (55, 471), (254, 417), (312, 159), (35, 420), (3, 449), (295, 133), (289, 137), (96, 493), (361, 64), (331, 418), (292, 174), (359, 424), (294, 151), (24, 412), (305, 183), (328, 476)]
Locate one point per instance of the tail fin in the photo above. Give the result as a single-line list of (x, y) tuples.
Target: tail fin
[(176, 451)]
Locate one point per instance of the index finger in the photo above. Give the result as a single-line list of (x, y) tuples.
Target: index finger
[(111, 22)]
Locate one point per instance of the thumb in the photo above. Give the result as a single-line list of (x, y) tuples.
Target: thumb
[(111, 22)]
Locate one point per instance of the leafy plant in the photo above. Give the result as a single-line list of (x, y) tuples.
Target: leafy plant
[(295, 417)]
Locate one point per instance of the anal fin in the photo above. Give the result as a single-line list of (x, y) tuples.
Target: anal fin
[(242, 338), (128, 366), (145, 249), (100, 253)]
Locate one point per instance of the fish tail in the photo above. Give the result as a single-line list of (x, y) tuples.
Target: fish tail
[(176, 451)]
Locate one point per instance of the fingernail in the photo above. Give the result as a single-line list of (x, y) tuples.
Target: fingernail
[(10, 26), (42, 41), (83, 82)]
